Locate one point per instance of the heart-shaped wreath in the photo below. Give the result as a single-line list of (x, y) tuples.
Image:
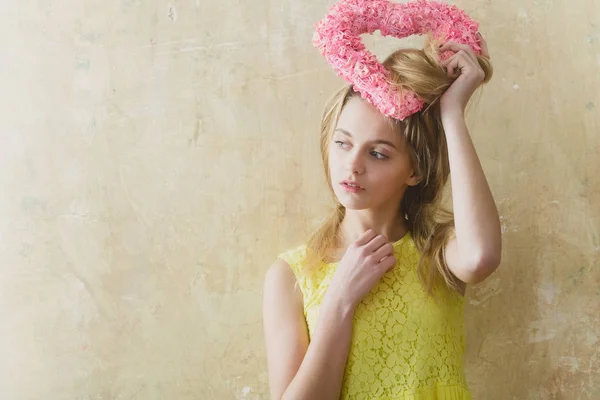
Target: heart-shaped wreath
[(337, 36)]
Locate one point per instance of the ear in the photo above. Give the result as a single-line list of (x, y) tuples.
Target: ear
[(414, 179)]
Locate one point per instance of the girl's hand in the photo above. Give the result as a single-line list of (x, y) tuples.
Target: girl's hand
[(362, 266), (471, 76)]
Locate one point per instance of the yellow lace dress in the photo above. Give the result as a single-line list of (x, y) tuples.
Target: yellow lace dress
[(404, 345)]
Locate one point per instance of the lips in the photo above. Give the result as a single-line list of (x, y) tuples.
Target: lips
[(351, 184)]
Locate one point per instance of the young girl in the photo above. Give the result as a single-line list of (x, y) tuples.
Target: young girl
[(371, 307)]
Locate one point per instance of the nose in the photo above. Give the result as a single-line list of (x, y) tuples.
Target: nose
[(356, 162)]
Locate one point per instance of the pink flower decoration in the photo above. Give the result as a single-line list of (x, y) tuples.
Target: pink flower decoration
[(337, 36)]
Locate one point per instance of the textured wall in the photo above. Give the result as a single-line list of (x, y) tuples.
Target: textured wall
[(156, 156)]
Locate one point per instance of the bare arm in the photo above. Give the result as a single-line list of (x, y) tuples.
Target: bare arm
[(475, 251), (299, 370)]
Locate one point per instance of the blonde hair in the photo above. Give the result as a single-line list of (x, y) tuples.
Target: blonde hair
[(430, 225)]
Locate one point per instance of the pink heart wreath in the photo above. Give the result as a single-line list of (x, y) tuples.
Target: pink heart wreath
[(337, 36)]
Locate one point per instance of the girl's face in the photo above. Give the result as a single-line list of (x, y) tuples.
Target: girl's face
[(366, 150)]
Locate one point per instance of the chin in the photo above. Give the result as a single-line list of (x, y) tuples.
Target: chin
[(353, 204), (355, 207)]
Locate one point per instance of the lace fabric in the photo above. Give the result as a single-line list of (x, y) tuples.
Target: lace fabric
[(405, 345)]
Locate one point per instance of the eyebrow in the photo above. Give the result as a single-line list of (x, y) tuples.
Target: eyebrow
[(380, 141)]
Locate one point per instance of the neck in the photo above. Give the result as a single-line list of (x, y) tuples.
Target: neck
[(356, 222)]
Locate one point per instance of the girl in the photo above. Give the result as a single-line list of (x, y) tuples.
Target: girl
[(371, 307)]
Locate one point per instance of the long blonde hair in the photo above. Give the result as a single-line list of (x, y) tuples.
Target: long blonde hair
[(430, 224)]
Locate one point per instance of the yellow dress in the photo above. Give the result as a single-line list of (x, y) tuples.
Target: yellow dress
[(404, 345)]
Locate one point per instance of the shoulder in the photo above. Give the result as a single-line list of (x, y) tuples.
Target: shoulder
[(294, 256), (289, 269), (279, 271), (280, 290), (284, 271)]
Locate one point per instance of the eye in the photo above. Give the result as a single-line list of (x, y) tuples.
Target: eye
[(339, 143), (378, 155)]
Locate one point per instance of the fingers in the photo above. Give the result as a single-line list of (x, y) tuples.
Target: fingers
[(366, 237), (384, 251), (461, 61), (451, 65), (375, 244), (484, 47), (387, 263), (457, 47), (457, 61), (378, 249)]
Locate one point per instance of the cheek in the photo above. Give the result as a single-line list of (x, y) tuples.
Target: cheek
[(333, 160), (389, 177)]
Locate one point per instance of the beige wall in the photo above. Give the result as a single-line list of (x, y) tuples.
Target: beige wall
[(155, 157)]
